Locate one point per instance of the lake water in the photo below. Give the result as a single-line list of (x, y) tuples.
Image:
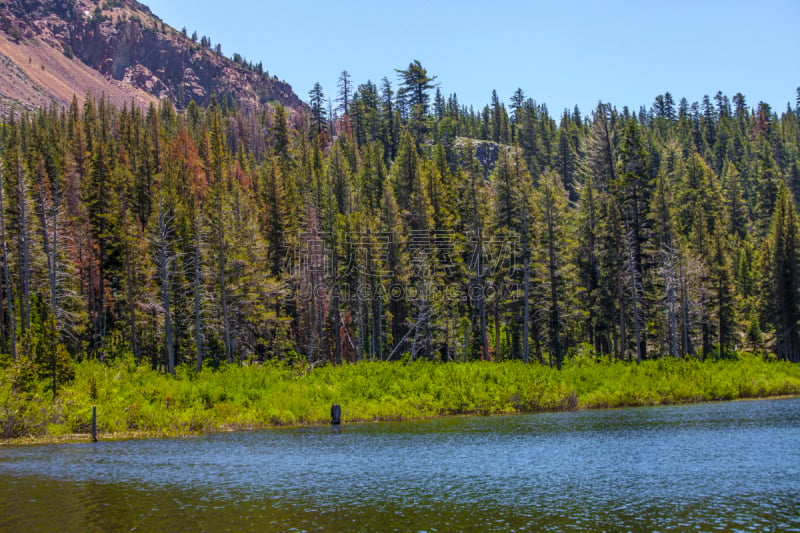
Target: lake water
[(711, 467)]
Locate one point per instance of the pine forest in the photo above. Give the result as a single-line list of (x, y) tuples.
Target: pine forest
[(389, 222)]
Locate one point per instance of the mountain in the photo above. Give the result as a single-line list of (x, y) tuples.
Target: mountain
[(51, 51)]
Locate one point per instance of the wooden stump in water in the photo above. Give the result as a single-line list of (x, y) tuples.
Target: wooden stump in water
[(94, 423), (336, 414)]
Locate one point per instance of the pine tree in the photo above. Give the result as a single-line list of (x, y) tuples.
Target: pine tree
[(273, 212), (340, 179), (396, 265), (319, 118), (345, 92), (279, 133), (554, 250), (567, 156), (739, 219), (588, 218), (602, 257), (632, 189), (723, 288), (781, 282), (665, 249), (164, 257), (474, 218), (372, 175), (414, 93), (10, 327), (405, 173), (390, 126)]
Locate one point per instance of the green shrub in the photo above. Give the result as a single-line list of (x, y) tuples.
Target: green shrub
[(131, 397)]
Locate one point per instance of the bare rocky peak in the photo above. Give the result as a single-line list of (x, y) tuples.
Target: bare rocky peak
[(121, 49)]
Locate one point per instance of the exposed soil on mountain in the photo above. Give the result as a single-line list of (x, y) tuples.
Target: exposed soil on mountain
[(52, 51)]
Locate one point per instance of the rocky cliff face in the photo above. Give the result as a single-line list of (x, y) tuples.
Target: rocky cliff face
[(123, 42), (486, 152)]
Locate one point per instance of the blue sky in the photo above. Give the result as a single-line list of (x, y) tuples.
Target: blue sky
[(561, 53)]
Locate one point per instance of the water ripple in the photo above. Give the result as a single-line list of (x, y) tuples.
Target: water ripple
[(732, 466)]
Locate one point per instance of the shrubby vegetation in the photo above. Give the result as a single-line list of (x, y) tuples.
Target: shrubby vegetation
[(133, 399), (400, 225)]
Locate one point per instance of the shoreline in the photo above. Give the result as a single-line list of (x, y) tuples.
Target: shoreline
[(86, 438)]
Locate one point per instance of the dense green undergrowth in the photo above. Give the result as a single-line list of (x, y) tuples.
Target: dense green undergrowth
[(134, 398)]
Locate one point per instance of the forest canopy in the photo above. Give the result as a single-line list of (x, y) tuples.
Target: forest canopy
[(399, 225)]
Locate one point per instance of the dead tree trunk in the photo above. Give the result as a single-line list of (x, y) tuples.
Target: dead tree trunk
[(6, 281)]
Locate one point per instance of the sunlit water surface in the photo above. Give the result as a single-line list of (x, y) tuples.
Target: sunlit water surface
[(712, 467)]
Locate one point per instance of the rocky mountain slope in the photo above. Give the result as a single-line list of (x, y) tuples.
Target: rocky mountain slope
[(52, 50)]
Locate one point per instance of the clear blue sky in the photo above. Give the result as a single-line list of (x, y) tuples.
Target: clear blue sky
[(561, 53)]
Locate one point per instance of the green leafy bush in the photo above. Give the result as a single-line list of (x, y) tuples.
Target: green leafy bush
[(134, 398)]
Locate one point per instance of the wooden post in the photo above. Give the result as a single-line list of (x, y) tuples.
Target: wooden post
[(94, 423), (336, 414)]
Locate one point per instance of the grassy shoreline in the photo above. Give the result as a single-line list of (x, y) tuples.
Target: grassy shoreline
[(72, 438), (134, 401)]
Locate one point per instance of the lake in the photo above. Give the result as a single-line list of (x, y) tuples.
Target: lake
[(709, 467)]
